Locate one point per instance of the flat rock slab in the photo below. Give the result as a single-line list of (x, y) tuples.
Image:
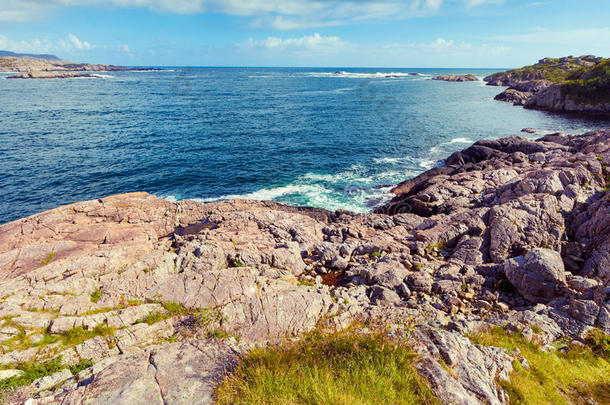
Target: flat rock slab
[(177, 373)]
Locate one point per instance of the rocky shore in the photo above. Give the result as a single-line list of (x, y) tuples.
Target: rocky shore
[(49, 75), (154, 301), (457, 78), (36, 68), (569, 84)]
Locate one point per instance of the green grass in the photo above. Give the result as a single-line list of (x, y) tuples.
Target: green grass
[(47, 259), (198, 317), (95, 297), (33, 371), (553, 70), (78, 334), (574, 377), (307, 283), (590, 84), (340, 368), (77, 368), (375, 255)]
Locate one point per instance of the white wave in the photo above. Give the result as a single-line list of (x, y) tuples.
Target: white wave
[(440, 147), (415, 165), (461, 140), (354, 75), (169, 197), (99, 76), (388, 160), (272, 193)]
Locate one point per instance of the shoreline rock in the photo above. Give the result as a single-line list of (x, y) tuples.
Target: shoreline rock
[(50, 75), (509, 232), (568, 85), (36, 68), (457, 78)]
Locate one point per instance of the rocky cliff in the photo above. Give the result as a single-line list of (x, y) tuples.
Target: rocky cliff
[(575, 85), (153, 301)]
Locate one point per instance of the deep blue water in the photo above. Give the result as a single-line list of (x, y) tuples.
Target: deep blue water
[(299, 136)]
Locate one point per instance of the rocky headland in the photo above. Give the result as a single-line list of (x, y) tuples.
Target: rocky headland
[(40, 68), (569, 84), (37, 74), (457, 78), (146, 300)]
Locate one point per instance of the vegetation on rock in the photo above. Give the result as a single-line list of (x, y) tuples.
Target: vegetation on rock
[(590, 83), (340, 368), (572, 374), (555, 70), (35, 370)]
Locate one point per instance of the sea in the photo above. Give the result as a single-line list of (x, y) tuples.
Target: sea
[(334, 138)]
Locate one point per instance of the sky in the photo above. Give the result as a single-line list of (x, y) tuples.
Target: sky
[(325, 33)]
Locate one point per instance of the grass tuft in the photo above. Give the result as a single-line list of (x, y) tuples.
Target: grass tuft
[(340, 368), (78, 334), (47, 259), (35, 370), (95, 297), (578, 376)]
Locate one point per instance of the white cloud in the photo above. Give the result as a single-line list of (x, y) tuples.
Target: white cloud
[(439, 45), (279, 14), (124, 48), (69, 44), (78, 44), (310, 43), (475, 3), (21, 46)]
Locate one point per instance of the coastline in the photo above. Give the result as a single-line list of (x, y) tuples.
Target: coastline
[(512, 210)]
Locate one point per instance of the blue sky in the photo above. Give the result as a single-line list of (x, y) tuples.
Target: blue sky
[(375, 33)]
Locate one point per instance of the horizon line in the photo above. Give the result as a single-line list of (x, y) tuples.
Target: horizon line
[(301, 67)]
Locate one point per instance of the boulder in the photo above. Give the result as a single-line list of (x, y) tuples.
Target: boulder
[(538, 275)]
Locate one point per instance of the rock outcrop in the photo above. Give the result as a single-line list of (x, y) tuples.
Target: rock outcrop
[(574, 85), (163, 297), (49, 75), (457, 78), (36, 68)]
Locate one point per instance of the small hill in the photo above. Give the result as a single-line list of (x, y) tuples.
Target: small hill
[(568, 84), (28, 55)]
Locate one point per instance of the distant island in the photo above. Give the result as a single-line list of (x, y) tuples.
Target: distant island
[(457, 78), (568, 84), (52, 67)]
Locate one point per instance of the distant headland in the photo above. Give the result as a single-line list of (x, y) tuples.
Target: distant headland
[(568, 84), (52, 67)]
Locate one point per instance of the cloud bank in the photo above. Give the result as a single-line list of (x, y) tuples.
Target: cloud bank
[(278, 14)]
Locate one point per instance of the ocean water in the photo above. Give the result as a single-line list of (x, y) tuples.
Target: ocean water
[(300, 136)]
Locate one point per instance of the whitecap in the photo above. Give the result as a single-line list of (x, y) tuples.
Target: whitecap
[(355, 75), (99, 76)]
